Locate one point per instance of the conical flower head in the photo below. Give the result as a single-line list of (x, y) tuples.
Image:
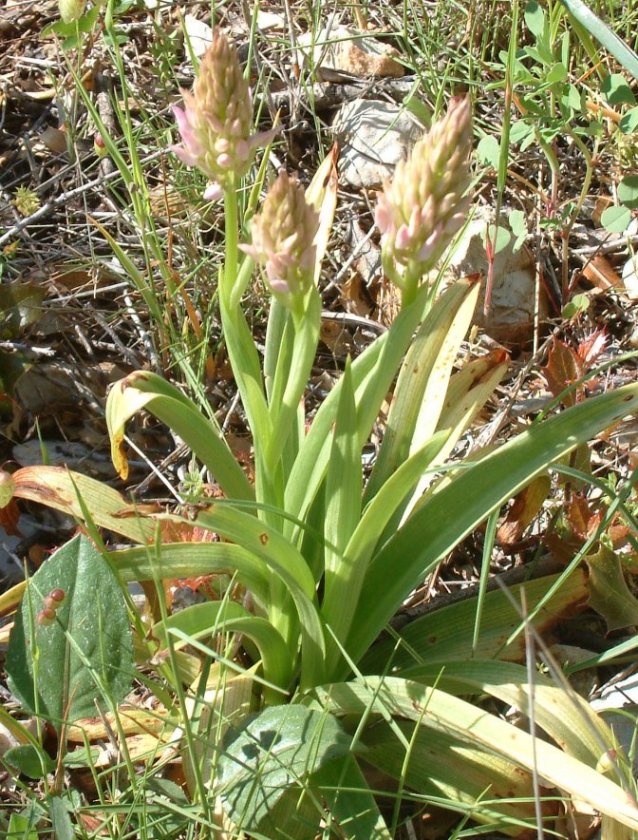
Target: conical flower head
[(283, 238), (423, 206), (215, 124)]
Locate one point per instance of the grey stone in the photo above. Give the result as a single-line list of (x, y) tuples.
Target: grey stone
[(374, 136)]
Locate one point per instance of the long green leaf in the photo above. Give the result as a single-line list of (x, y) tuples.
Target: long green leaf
[(565, 717), (290, 568), (421, 388), (594, 25), (349, 575), (390, 498), (372, 374), (448, 714), (245, 364), (343, 502), (186, 559), (450, 514), (446, 634), (291, 375), (379, 362), (230, 617), (143, 389), (445, 766), (260, 539)]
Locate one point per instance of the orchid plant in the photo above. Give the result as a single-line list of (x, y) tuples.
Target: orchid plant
[(318, 710)]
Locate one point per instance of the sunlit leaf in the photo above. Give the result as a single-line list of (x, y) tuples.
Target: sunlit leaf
[(61, 662), (609, 594), (273, 752)]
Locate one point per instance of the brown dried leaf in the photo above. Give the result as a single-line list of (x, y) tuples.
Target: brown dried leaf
[(354, 297), (601, 273), (582, 520), (564, 367), (9, 517), (525, 508), (54, 139)]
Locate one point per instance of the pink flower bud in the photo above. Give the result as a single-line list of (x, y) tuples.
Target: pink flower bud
[(215, 124), (423, 206), (283, 238)]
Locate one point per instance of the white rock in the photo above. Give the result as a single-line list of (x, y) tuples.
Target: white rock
[(338, 53), (511, 315), (374, 137), (199, 34)]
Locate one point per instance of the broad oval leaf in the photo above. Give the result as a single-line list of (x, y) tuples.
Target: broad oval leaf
[(273, 752), (58, 668)]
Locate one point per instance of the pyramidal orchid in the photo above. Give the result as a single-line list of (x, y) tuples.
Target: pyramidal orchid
[(282, 239), (215, 123), (423, 206)]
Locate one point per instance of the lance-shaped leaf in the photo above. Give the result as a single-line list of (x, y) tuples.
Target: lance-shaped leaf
[(563, 715), (143, 389), (74, 494), (446, 634), (372, 375), (447, 516), (422, 385), (215, 617), (438, 710), (488, 788)]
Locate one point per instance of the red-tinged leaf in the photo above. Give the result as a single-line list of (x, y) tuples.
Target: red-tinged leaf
[(562, 549), (9, 517), (582, 520), (591, 348), (619, 532), (564, 367), (526, 506), (609, 594), (601, 273), (181, 531), (73, 493)]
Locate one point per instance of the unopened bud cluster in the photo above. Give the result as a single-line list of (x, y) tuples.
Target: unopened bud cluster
[(283, 238), (215, 124), (423, 206)]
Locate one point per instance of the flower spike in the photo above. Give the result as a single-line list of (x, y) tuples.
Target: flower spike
[(283, 239), (216, 121), (423, 206)]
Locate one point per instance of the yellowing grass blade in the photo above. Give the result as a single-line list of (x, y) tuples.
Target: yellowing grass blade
[(59, 488), (322, 194), (445, 713), (564, 716)]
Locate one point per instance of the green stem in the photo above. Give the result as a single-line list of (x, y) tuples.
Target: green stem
[(231, 234), (292, 371), (574, 214)]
